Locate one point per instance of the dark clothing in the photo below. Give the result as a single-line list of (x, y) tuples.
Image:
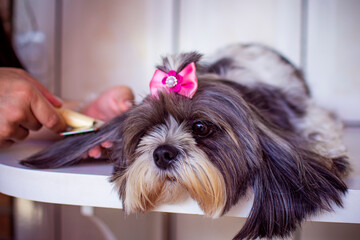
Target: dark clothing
[(8, 57)]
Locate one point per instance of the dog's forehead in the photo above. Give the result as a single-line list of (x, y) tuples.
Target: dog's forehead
[(212, 102), (170, 104)]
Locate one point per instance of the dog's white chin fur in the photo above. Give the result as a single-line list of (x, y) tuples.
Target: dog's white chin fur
[(192, 174)]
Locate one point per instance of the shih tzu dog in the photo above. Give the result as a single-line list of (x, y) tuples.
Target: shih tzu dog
[(239, 122)]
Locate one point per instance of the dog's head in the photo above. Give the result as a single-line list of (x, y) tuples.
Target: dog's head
[(213, 147), (171, 145)]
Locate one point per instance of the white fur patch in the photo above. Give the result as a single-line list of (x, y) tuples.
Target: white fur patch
[(324, 129), (256, 64)]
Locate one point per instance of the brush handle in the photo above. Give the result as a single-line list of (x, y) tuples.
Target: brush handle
[(75, 119)]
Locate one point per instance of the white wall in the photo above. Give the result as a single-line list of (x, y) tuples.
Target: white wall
[(333, 55), (34, 38), (120, 42), (272, 22), (111, 43)]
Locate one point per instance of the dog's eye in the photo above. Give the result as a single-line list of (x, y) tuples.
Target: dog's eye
[(201, 129)]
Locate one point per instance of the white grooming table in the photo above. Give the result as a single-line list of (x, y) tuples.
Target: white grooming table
[(87, 184)]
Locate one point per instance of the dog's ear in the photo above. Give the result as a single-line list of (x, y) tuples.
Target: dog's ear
[(292, 184), (70, 150)]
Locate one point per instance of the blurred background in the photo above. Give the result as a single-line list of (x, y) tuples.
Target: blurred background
[(78, 48)]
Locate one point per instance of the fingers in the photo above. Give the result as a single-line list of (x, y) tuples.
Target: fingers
[(121, 100), (30, 122), (106, 144), (15, 121), (46, 114), (20, 134), (6, 143), (17, 118), (11, 130), (54, 100), (125, 98), (110, 103), (97, 151), (10, 135), (42, 107), (24, 117), (25, 105)]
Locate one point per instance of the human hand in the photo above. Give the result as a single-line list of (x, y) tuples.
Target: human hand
[(108, 105), (25, 105)]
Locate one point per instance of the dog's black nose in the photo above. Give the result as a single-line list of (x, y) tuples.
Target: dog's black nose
[(164, 155)]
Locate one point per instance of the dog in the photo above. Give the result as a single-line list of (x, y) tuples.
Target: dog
[(216, 129)]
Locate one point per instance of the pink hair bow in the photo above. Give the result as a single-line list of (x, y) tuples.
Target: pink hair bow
[(184, 82)]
